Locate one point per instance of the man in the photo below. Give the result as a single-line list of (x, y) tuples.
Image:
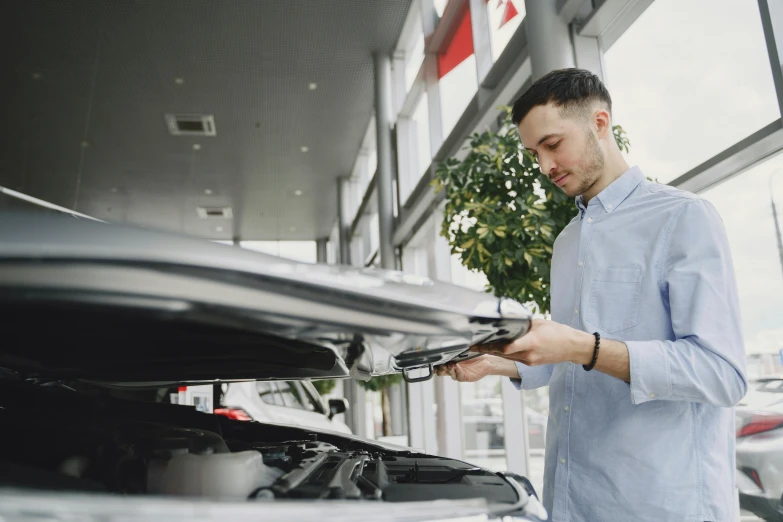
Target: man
[(644, 355)]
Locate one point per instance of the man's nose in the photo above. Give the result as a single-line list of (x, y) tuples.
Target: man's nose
[(548, 166)]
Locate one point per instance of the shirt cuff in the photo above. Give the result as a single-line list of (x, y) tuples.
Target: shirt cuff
[(650, 376), (531, 377)]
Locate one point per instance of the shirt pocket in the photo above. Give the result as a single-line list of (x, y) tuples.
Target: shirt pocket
[(614, 298)]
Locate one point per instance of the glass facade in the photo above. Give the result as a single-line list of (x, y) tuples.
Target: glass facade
[(745, 204), (688, 80), (691, 90), (505, 17), (304, 251)]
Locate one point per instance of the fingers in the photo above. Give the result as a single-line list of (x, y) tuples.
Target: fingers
[(497, 349), (446, 369)]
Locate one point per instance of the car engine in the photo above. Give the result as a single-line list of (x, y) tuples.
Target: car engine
[(60, 438)]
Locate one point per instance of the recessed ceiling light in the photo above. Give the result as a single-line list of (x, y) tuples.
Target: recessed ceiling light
[(313, 86), (219, 229), (196, 146), (37, 76), (305, 148), (298, 193), (179, 81), (207, 192)]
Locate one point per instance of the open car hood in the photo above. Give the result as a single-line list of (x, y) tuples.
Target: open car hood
[(87, 300)]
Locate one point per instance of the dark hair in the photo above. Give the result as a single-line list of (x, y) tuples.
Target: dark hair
[(573, 90)]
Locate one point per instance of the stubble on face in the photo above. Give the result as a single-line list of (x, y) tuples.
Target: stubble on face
[(589, 170)]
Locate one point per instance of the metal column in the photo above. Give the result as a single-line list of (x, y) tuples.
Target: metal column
[(772, 21), (548, 38), (449, 426), (587, 49), (320, 250), (343, 221), (482, 45), (429, 17), (385, 187)]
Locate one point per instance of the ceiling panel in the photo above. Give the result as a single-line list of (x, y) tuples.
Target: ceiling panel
[(86, 85)]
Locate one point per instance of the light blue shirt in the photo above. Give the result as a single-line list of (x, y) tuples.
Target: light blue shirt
[(648, 265)]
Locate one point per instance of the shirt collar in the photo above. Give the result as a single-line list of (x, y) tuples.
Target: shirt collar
[(611, 197)]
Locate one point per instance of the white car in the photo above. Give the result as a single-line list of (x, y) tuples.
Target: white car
[(282, 402), (760, 460), (101, 323)]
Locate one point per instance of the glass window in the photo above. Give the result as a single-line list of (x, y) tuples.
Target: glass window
[(480, 448), (358, 253), (440, 6), (745, 204), (457, 74), (414, 57), (372, 165), (303, 251), (268, 393), (332, 252), (688, 80), (482, 423), (294, 396), (418, 145), (462, 276), (483, 428), (504, 19), (537, 416), (375, 239)]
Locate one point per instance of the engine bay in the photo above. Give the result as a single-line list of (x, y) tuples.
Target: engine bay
[(63, 439)]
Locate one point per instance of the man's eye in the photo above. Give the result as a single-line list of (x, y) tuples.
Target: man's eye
[(554, 146)]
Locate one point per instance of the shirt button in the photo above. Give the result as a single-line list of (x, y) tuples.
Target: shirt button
[(566, 408), (581, 263), (562, 460), (576, 311), (610, 207), (652, 395), (589, 220)]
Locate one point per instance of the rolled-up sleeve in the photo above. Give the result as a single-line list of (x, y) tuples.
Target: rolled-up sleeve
[(706, 360), (532, 377)]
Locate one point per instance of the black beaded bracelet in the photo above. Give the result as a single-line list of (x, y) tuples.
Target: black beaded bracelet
[(590, 366)]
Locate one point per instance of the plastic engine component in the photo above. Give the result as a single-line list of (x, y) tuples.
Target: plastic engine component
[(222, 475)]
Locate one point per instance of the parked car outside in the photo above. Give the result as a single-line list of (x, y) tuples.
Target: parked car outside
[(763, 392), (282, 402), (760, 460)]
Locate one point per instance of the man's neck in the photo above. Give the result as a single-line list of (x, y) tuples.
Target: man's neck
[(612, 170)]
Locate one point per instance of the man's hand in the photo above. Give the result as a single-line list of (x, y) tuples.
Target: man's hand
[(547, 342), (476, 369), (467, 371)]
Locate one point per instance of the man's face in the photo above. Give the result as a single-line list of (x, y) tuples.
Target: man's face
[(566, 148)]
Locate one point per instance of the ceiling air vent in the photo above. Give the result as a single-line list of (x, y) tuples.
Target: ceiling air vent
[(191, 124), (215, 212)]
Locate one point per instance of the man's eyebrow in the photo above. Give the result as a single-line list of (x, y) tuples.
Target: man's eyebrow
[(542, 140)]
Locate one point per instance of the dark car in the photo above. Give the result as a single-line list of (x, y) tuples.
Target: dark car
[(100, 322)]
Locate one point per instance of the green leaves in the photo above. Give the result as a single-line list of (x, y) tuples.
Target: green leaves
[(502, 214), (380, 381)]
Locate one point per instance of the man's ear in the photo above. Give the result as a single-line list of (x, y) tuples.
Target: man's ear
[(603, 123)]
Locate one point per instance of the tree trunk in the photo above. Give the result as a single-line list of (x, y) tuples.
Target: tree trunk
[(386, 411)]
